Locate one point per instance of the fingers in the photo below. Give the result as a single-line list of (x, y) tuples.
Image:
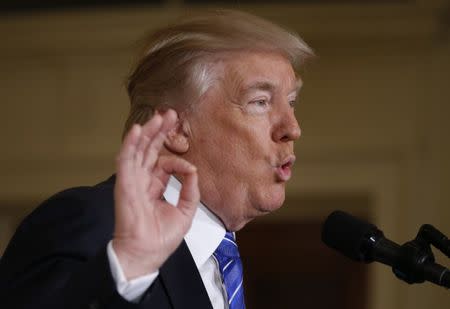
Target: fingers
[(159, 183), (143, 143), (154, 146), (149, 131), (136, 161), (190, 194), (125, 158)]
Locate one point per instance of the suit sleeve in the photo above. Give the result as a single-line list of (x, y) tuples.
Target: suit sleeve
[(57, 258)]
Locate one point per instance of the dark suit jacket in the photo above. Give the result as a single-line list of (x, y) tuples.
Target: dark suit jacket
[(57, 259)]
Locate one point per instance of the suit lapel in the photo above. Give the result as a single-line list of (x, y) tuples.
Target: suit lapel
[(183, 282)]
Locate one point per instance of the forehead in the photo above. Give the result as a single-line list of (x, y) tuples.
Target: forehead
[(260, 70)]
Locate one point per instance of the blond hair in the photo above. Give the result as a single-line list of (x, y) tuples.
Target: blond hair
[(177, 65)]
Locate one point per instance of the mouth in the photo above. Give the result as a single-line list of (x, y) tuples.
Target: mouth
[(284, 169)]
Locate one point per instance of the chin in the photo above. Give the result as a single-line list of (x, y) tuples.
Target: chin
[(268, 201), (272, 200)]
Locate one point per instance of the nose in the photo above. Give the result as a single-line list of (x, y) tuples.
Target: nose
[(287, 129)]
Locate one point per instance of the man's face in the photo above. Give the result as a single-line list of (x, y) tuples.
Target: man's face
[(242, 137)]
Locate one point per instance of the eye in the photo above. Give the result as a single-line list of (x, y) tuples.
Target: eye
[(260, 103), (258, 106)]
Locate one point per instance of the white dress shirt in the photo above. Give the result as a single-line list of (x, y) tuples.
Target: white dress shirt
[(202, 239)]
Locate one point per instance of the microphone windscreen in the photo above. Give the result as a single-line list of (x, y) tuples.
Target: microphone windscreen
[(347, 234)]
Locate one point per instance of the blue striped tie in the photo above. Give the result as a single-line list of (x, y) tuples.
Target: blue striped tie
[(230, 265)]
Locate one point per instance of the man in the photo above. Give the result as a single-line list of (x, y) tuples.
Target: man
[(211, 119)]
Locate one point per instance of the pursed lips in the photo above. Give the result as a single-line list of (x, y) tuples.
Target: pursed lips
[(283, 168)]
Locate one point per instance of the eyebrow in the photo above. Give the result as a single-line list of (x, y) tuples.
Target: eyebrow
[(260, 85), (267, 86)]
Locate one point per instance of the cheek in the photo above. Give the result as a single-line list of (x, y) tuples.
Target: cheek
[(248, 146), (258, 142), (234, 143), (218, 151), (233, 157)]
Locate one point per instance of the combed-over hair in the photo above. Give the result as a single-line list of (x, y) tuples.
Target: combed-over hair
[(177, 66)]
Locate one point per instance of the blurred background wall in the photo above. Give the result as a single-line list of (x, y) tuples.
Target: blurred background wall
[(374, 111)]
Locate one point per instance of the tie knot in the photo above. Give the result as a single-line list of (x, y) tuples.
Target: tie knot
[(228, 247), (230, 236)]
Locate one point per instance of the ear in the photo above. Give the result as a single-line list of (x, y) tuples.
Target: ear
[(177, 140)]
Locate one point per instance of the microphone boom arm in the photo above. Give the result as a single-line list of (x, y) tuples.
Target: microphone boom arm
[(412, 262)]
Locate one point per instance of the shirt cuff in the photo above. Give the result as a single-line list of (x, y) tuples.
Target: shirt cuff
[(132, 290)]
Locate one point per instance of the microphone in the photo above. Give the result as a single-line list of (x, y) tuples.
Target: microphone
[(361, 241)]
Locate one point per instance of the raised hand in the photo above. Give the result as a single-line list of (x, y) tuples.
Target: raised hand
[(147, 228)]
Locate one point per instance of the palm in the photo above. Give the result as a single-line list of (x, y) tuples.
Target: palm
[(148, 229)]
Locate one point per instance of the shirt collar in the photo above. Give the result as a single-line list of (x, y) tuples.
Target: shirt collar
[(206, 231)]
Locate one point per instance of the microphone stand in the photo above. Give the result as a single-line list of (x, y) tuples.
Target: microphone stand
[(416, 263)]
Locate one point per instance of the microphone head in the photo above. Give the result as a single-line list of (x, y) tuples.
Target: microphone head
[(348, 235)]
